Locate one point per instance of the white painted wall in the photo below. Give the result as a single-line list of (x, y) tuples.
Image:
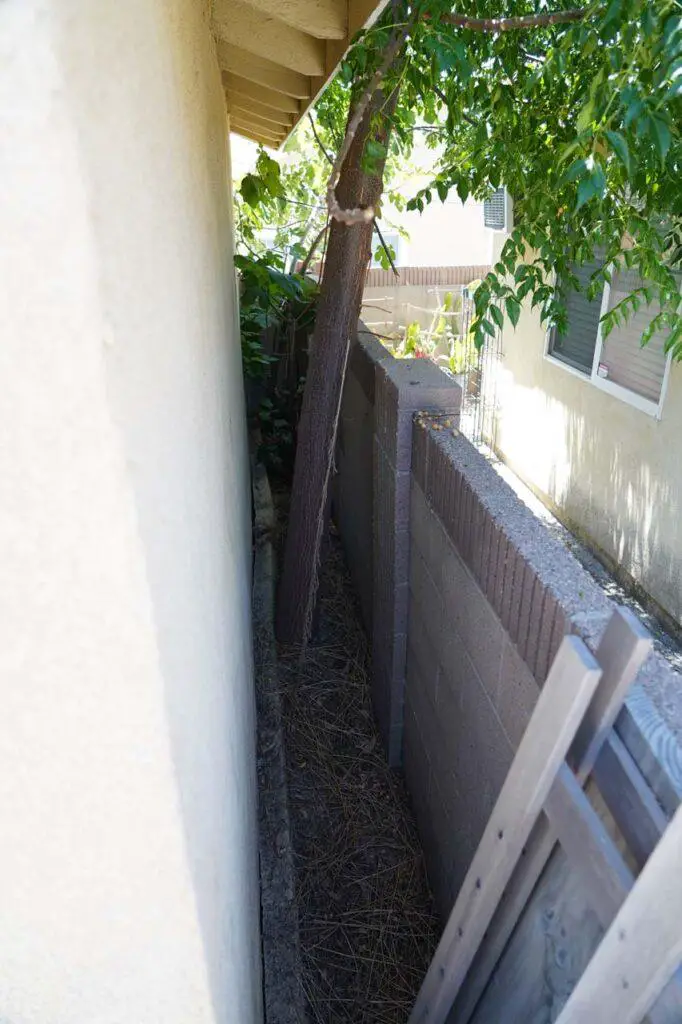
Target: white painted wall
[(611, 470), (128, 865), (449, 234)]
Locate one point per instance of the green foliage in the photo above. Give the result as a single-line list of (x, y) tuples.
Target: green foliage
[(582, 122), (269, 297), (278, 205), (384, 254)]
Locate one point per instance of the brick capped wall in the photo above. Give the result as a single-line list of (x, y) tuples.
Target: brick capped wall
[(491, 595)]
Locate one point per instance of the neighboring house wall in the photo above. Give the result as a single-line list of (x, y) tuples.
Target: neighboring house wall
[(444, 235), (128, 871), (390, 303), (609, 470)]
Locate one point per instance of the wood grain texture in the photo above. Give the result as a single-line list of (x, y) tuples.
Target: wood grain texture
[(268, 37), (269, 98), (249, 107), (654, 748), (570, 687), (623, 649), (642, 948), (324, 19), (262, 72), (629, 799)]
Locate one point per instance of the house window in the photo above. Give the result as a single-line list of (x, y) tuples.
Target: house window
[(577, 346), (392, 239), (618, 364), (623, 360)]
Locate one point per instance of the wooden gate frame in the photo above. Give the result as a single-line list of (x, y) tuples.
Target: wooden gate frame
[(576, 709)]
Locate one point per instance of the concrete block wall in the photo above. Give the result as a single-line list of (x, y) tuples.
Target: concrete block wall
[(471, 596), (353, 493), (371, 502), (491, 594), (402, 387)]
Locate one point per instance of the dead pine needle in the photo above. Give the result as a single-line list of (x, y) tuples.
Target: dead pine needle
[(368, 929)]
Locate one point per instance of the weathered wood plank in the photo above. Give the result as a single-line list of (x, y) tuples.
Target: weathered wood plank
[(635, 810), (642, 948), (570, 687), (605, 875), (588, 845), (656, 751), (623, 649)]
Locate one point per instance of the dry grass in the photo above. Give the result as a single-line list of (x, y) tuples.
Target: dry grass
[(368, 928)]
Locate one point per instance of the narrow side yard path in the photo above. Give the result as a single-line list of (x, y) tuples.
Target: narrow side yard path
[(368, 929)]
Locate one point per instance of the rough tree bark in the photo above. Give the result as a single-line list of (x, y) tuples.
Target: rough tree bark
[(348, 253)]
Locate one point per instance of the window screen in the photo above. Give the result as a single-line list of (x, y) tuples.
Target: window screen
[(576, 347), (494, 210), (623, 359)]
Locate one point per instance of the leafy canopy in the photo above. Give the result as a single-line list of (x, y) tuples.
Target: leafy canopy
[(580, 121)]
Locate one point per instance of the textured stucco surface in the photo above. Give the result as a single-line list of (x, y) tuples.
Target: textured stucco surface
[(609, 469), (128, 872)]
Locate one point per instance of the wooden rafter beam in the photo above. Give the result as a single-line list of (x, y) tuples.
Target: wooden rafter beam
[(324, 19), (243, 124), (244, 107), (254, 137), (263, 72), (268, 37), (241, 87), (249, 117)]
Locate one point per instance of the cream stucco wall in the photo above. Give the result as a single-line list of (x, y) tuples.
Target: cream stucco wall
[(610, 469), (128, 867)]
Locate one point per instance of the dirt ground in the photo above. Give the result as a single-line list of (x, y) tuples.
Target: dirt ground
[(368, 928)]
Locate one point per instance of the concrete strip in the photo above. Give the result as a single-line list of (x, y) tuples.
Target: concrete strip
[(284, 1000)]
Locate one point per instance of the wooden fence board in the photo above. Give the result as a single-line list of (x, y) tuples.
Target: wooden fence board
[(635, 810), (623, 649), (589, 847), (570, 687), (642, 948), (625, 645)]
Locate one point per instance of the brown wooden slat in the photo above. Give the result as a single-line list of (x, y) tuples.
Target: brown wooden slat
[(642, 948), (563, 701), (622, 651)]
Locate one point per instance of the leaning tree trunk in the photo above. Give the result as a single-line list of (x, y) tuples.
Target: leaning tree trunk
[(348, 253)]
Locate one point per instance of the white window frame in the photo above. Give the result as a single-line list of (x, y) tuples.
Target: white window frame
[(374, 264), (645, 405)]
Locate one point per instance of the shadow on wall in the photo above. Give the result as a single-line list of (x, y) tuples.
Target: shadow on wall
[(610, 471)]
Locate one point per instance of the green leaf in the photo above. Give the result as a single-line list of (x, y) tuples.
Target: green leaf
[(591, 187), (585, 116), (488, 327), (496, 314), (513, 307), (660, 135), (251, 189), (578, 169), (620, 148)]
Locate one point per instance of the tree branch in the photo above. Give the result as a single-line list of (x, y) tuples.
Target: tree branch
[(358, 215), (319, 142), (311, 251), (514, 24), (381, 239)]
